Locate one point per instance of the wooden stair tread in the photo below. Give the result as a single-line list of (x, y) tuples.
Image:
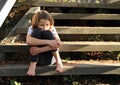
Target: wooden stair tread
[(63, 4), (86, 16), (69, 69), (78, 30), (74, 46), (70, 43), (90, 46), (73, 16), (115, 3)]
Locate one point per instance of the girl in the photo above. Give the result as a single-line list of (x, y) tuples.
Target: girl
[(43, 38)]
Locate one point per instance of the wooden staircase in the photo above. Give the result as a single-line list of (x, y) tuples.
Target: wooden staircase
[(74, 38)]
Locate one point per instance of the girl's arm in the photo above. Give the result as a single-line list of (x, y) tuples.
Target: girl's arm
[(56, 36), (37, 50), (52, 44), (34, 41)]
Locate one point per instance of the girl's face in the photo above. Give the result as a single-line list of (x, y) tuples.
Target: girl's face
[(44, 24)]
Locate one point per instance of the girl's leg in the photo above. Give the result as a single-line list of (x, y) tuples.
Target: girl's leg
[(32, 67), (59, 67), (42, 58), (33, 59), (48, 35), (31, 70), (53, 61)]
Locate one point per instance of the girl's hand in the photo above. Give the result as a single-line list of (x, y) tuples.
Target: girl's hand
[(58, 42), (54, 44), (34, 50)]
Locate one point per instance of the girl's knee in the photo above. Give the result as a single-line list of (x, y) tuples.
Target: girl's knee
[(36, 33), (47, 34)]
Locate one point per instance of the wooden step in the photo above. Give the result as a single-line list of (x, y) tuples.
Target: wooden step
[(25, 22), (113, 1), (66, 4), (78, 30), (23, 2), (81, 16), (112, 4), (68, 33), (86, 16), (69, 69), (75, 46), (90, 46)]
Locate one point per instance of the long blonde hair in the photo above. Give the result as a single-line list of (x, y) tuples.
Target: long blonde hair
[(43, 14)]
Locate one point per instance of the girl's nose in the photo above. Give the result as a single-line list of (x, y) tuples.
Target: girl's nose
[(43, 27)]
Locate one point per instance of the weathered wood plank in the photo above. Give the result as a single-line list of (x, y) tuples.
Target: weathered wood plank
[(27, 18), (75, 46), (20, 3), (14, 48), (63, 4), (25, 22), (86, 16), (83, 16), (89, 37), (79, 30), (88, 30), (69, 69), (112, 1), (71, 4), (89, 46), (11, 39), (116, 4)]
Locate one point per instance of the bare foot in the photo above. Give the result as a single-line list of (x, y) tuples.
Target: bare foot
[(31, 70), (59, 67)]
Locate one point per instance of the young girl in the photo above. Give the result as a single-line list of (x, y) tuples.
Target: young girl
[(44, 41)]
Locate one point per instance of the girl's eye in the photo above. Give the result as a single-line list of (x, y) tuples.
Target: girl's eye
[(40, 25), (47, 24)]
